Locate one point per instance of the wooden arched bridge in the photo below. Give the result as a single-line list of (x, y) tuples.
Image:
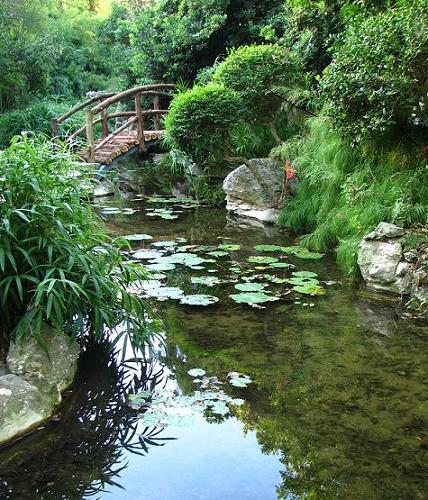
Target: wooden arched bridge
[(116, 122)]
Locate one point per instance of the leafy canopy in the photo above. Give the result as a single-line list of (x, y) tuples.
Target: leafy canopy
[(257, 72), (378, 76), (201, 121)]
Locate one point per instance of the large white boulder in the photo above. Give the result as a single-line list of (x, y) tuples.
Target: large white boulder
[(246, 197), (383, 263)]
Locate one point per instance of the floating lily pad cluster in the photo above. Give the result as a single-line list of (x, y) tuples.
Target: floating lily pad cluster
[(106, 210), (163, 407), (257, 281), (169, 207)]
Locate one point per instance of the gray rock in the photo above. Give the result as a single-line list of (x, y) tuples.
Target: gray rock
[(39, 371), (51, 362), (386, 267), (378, 262), (385, 230), (22, 407), (246, 197)]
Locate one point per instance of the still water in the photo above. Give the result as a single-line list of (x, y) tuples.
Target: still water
[(337, 408)]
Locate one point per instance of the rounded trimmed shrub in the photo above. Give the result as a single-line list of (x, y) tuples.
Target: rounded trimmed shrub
[(255, 71), (201, 120)]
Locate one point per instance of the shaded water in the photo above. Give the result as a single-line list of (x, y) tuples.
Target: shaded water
[(338, 407)]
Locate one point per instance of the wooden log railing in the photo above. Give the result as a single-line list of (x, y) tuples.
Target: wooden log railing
[(97, 112)]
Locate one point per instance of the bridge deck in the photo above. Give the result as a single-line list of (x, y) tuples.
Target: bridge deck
[(119, 145)]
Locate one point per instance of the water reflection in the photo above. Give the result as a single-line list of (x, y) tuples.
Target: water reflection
[(338, 405), (343, 401), (85, 452)]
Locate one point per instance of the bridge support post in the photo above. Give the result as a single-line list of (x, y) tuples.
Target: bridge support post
[(55, 127), (90, 136), (104, 122), (156, 107), (140, 123)]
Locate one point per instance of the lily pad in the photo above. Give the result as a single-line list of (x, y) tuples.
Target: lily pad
[(146, 254), (268, 248), (230, 247), (261, 259), (280, 265), (249, 287), (196, 372), (199, 300), (140, 398), (275, 279), (309, 289), (251, 298), (304, 274), (218, 253), (164, 244), (291, 249), (205, 280), (161, 267), (165, 292), (137, 237), (239, 380), (302, 281), (306, 254), (162, 213), (219, 408)]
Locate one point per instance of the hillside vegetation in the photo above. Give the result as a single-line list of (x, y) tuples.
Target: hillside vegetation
[(338, 88)]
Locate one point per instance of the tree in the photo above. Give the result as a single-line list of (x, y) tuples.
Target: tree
[(260, 73), (201, 123), (379, 75)]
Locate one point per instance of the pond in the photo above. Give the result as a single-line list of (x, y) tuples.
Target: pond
[(336, 405)]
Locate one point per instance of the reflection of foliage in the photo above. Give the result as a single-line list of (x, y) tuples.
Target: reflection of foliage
[(337, 401), (92, 436)]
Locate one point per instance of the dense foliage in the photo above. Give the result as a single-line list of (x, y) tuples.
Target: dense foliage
[(379, 74), (175, 39), (261, 74), (345, 192), (359, 63), (201, 121), (57, 264)]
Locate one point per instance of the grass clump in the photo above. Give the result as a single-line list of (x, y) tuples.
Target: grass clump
[(345, 192)]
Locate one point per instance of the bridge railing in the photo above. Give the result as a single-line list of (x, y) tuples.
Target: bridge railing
[(99, 113)]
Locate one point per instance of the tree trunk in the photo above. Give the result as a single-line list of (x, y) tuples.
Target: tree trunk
[(274, 133)]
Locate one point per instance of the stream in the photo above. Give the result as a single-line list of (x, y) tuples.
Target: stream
[(336, 407)]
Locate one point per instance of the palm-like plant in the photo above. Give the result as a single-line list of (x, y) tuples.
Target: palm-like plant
[(57, 264)]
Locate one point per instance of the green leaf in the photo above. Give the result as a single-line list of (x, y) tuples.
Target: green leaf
[(268, 248), (230, 247), (251, 298), (259, 259), (196, 372), (199, 300), (249, 287)]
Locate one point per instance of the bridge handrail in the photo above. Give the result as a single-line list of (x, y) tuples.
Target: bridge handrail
[(57, 121), (143, 89), (104, 101)]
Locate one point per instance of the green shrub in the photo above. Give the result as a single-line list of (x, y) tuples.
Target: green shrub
[(345, 192), (34, 118), (378, 76), (258, 72), (56, 263), (201, 121)]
